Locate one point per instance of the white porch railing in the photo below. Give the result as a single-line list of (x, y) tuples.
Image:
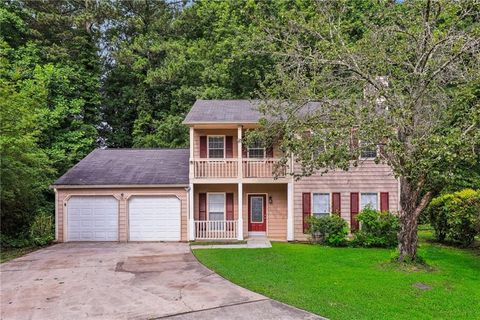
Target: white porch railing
[(262, 168), (215, 168), (216, 230)]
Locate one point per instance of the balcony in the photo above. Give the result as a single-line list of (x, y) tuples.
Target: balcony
[(228, 168), (215, 168), (262, 168)]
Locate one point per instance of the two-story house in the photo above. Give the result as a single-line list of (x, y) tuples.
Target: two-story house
[(217, 189)]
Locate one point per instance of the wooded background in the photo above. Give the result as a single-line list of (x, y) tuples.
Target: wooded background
[(80, 74)]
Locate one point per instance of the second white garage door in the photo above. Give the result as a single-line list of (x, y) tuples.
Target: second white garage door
[(154, 219)]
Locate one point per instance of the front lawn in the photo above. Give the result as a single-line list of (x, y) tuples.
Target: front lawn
[(354, 283)]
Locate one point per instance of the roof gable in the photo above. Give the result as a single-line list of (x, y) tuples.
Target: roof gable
[(223, 111)]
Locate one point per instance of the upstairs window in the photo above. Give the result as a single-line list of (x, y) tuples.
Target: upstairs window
[(216, 147), (368, 150), (321, 204), (256, 150)]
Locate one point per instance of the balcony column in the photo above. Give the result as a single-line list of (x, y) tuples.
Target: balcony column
[(239, 152), (191, 221), (240, 212), (191, 172), (290, 233)]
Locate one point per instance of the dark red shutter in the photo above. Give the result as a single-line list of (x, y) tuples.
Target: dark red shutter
[(229, 205), (336, 206), (354, 209), (244, 151), (203, 146), (202, 206), (269, 152), (384, 204), (306, 210), (228, 147)]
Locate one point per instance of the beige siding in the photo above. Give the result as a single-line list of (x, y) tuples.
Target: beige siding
[(122, 194), (213, 132), (276, 212), (206, 188), (220, 132), (367, 177)]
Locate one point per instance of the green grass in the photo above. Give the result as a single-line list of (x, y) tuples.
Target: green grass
[(356, 283), (12, 253)]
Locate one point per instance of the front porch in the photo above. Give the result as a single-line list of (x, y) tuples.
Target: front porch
[(217, 212)]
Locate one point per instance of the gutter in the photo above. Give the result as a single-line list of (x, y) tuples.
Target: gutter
[(115, 186)]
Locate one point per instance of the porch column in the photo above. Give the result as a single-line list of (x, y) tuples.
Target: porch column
[(239, 152), (191, 222), (290, 234), (240, 212)]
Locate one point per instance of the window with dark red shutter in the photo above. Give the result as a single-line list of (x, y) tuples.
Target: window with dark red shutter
[(306, 210), (229, 206), (203, 146), (269, 152), (384, 201), (354, 209), (202, 206), (229, 147), (336, 206)]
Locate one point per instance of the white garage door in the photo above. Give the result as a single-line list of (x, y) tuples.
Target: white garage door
[(154, 218), (92, 218)]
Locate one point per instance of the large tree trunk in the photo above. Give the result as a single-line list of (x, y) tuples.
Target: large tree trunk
[(411, 206)]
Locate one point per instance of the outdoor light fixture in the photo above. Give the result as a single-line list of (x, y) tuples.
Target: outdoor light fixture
[(270, 200)]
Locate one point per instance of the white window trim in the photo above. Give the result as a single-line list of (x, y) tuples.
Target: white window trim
[(208, 145), (377, 150), (264, 199), (371, 192), (264, 153), (330, 195), (224, 205)]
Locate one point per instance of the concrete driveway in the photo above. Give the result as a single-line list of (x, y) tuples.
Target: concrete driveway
[(126, 281)]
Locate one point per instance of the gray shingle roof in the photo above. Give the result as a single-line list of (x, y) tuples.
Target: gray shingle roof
[(232, 111), (129, 167), (223, 111)]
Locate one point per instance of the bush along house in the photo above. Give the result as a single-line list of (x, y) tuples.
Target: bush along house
[(218, 189)]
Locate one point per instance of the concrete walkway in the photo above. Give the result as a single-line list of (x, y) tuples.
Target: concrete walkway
[(126, 281), (252, 243)]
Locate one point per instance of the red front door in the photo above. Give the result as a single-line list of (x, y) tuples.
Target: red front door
[(257, 212)]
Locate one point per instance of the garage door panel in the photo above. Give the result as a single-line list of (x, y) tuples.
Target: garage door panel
[(92, 218), (154, 218)]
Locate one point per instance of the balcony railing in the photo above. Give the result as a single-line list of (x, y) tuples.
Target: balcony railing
[(216, 229), (262, 168), (228, 168), (215, 168)]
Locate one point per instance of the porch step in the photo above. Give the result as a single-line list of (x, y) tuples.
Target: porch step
[(258, 242), (254, 243)]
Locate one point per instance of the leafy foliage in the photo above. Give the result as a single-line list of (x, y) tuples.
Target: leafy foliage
[(162, 58), (407, 81), (48, 104), (378, 229), (42, 229), (455, 217), (330, 230)]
